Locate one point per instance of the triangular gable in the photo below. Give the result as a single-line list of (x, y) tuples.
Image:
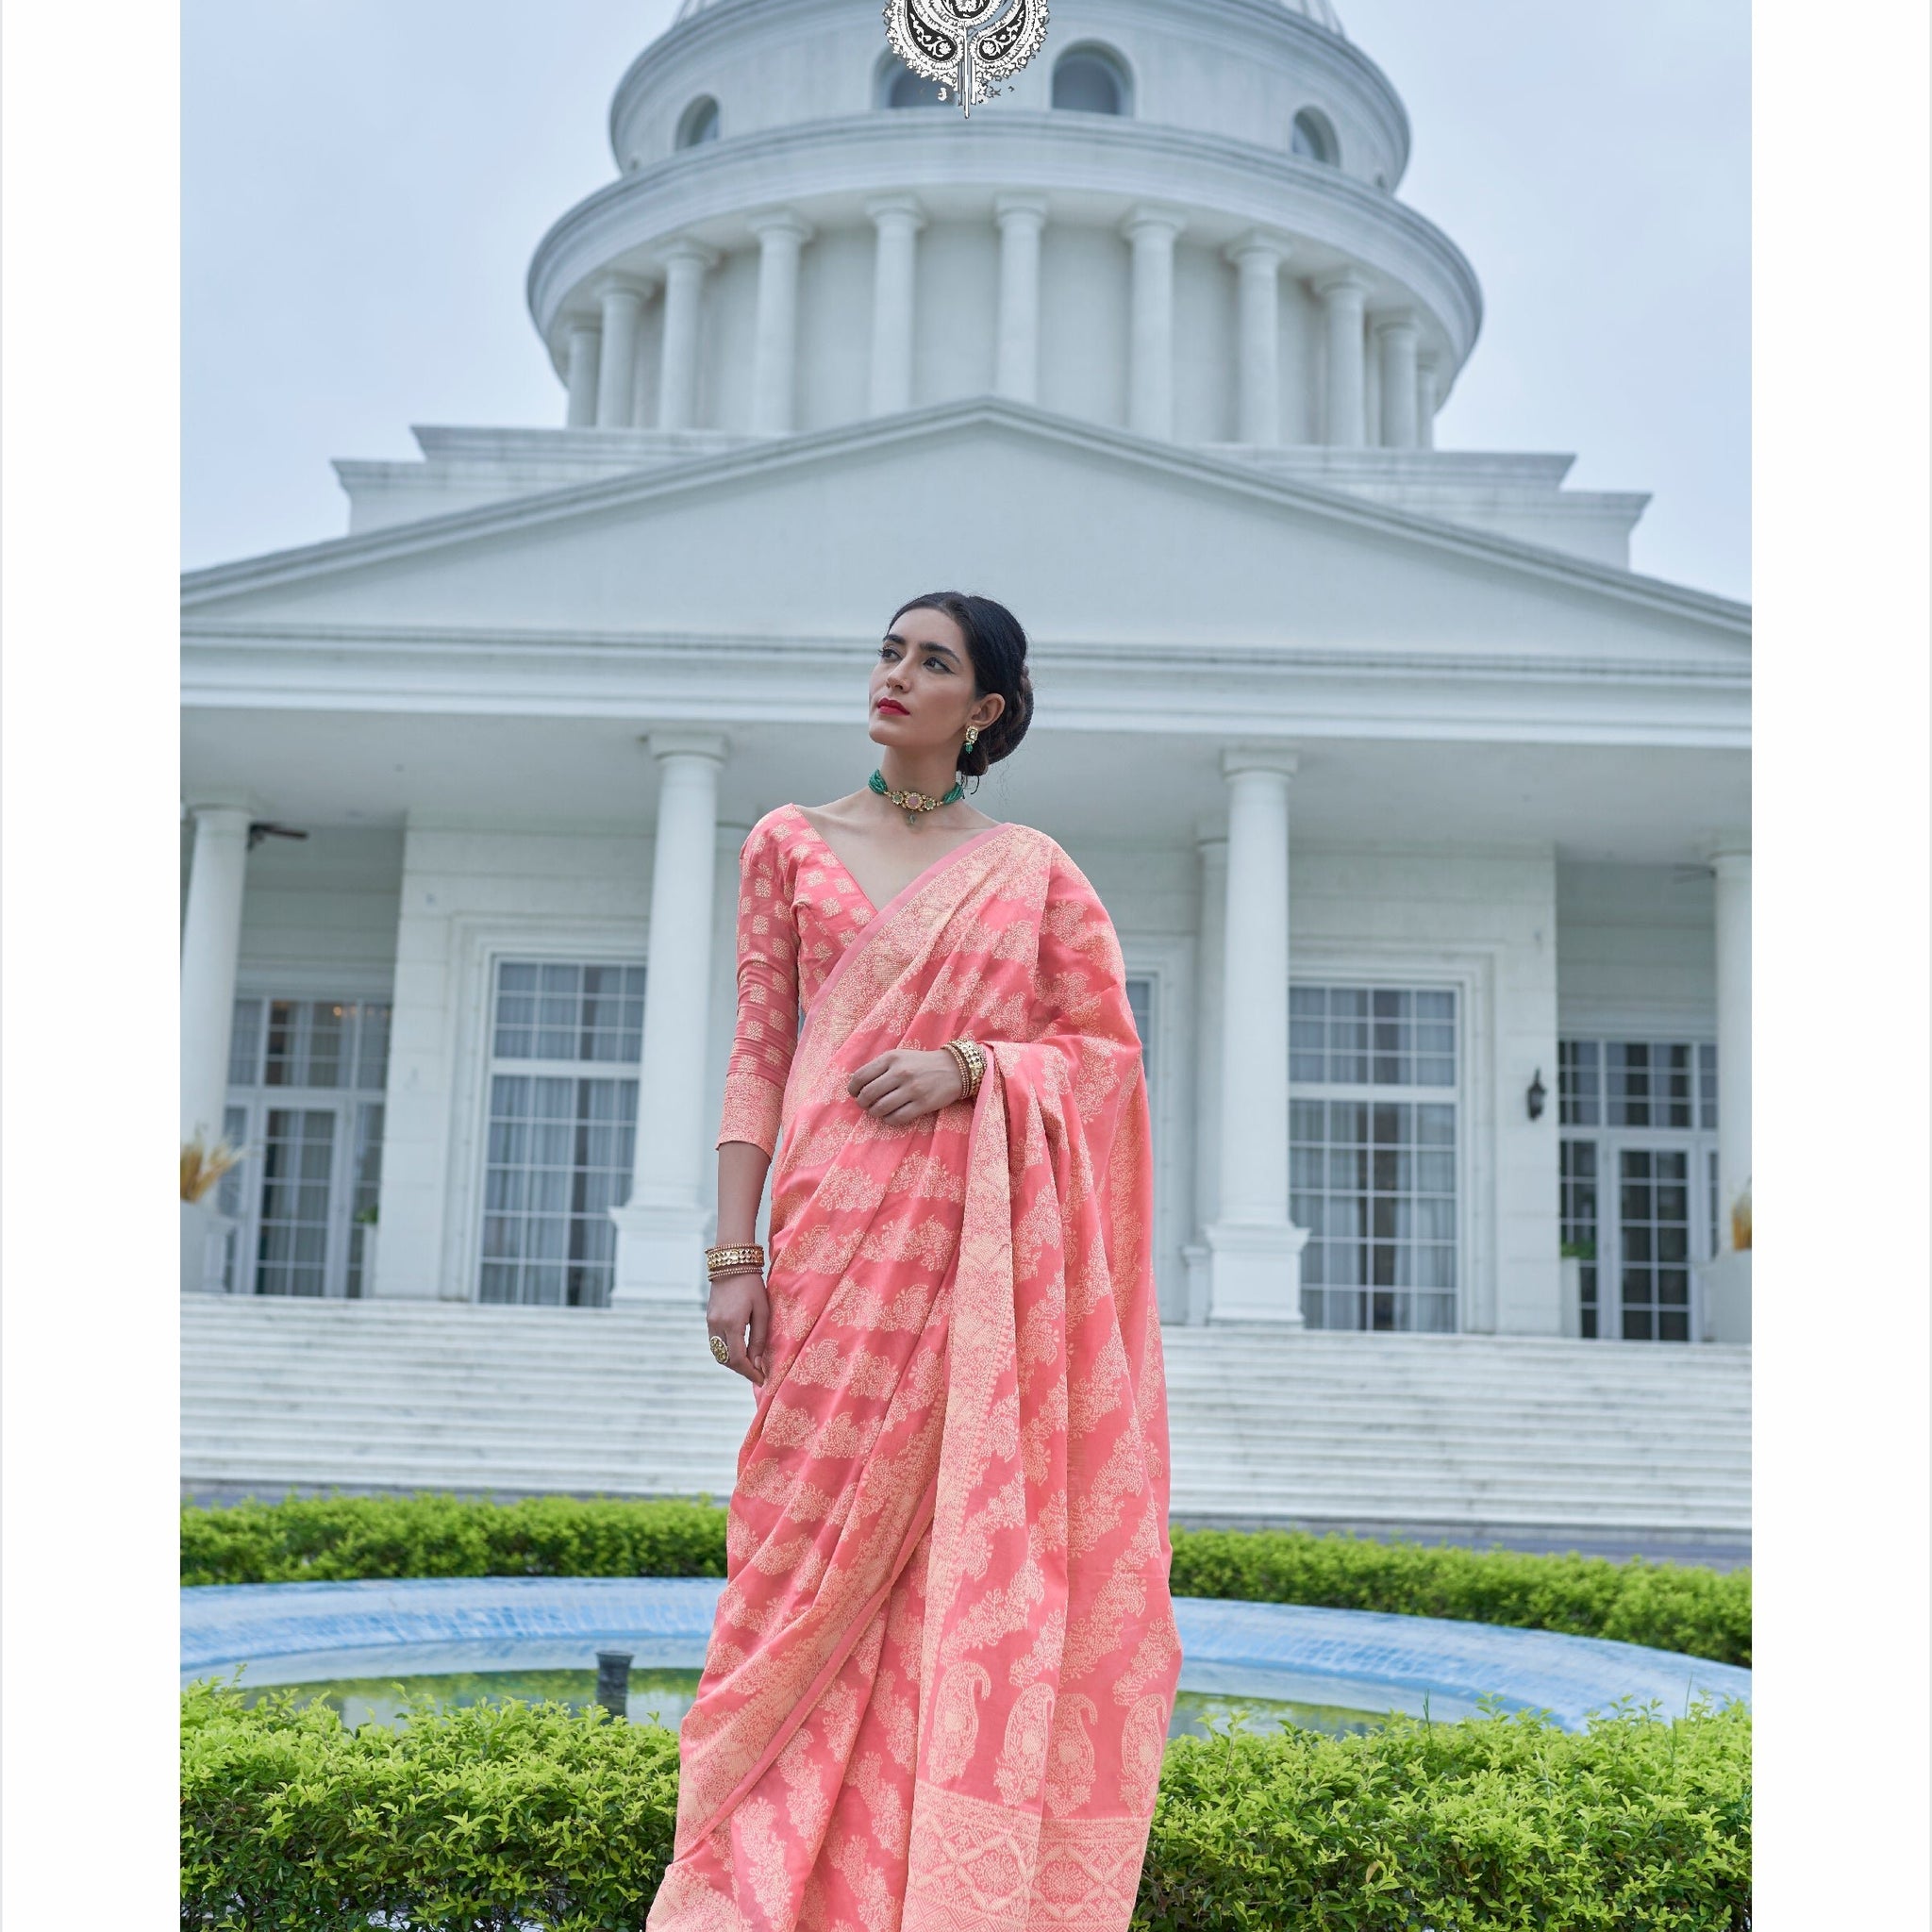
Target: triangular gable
[(1092, 536)]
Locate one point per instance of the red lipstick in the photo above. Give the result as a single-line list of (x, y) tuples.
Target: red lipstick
[(893, 705)]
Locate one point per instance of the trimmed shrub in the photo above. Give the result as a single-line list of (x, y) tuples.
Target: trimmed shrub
[(1695, 1611), (345, 1539), (1679, 1607), (491, 1817)]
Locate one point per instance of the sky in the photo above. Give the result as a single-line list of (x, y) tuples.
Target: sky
[(363, 182)]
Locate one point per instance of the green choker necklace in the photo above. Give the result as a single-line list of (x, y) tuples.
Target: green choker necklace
[(913, 803)]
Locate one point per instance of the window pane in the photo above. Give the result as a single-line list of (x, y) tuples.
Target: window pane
[(1386, 1254), (291, 1248), (559, 1154), (245, 1044)]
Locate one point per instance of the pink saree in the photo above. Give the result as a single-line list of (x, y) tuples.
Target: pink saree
[(941, 1676)]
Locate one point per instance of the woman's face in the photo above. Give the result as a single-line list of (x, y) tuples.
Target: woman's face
[(922, 689)]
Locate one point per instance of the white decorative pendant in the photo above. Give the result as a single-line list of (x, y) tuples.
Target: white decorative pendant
[(966, 44)]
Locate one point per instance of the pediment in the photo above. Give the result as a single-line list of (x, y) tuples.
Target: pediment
[(1094, 538)]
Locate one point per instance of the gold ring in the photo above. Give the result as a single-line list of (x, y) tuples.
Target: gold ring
[(721, 1350)]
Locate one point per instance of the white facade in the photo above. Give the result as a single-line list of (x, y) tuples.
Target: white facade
[(1349, 732)]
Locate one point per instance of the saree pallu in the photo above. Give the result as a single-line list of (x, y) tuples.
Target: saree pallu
[(944, 1661)]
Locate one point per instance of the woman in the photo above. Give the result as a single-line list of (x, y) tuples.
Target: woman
[(945, 1660)]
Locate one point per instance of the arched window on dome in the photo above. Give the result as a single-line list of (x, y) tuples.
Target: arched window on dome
[(698, 124), (1313, 139), (899, 87), (1092, 80)]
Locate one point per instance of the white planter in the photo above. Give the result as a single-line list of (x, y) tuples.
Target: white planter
[(199, 1226), (1569, 1268), (1726, 1291)]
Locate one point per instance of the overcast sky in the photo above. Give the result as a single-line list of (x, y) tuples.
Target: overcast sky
[(363, 181)]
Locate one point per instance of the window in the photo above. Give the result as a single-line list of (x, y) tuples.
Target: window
[(1372, 1101), (698, 124), (305, 1084), (1141, 1002), (561, 1136), (1639, 1153), (902, 88), (1090, 80), (1313, 139)]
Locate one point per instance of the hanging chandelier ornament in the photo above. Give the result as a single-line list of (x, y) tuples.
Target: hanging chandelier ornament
[(965, 45)]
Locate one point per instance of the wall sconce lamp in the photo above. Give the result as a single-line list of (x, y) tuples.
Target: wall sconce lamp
[(1536, 1093)]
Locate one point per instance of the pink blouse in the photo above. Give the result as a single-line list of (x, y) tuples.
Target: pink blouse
[(798, 909)]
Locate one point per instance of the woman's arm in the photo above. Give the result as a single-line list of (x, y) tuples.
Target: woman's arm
[(761, 1050), (740, 1305), (908, 1082)]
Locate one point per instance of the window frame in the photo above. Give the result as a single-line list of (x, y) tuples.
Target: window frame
[(1370, 1092), (1109, 56), (475, 944), (682, 138), (254, 1101), (1322, 132), (1471, 971)]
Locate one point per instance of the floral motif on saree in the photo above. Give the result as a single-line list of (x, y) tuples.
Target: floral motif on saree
[(945, 1658)]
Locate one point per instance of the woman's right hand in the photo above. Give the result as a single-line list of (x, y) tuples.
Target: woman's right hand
[(739, 1303)]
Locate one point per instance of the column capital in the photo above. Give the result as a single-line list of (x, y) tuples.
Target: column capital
[(1152, 218), (779, 221), (686, 741), (617, 287), (1396, 322), (1344, 281), (213, 798), (883, 210), (685, 252), (1428, 361), (582, 322), (1019, 207), (1237, 760), (1258, 242)]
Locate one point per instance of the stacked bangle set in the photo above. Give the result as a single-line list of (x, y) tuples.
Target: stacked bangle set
[(971, 1058)]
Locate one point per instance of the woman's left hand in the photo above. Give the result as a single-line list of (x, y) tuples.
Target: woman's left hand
[(906, 1083)]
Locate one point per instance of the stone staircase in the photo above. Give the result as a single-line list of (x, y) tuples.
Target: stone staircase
[(1539, 1444)]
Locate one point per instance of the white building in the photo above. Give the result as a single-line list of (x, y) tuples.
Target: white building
[(1422, 819)]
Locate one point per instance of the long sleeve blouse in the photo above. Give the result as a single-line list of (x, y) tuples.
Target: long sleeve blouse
[(798, 909)]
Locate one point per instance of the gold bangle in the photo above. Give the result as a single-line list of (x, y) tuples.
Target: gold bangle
[(971, 1058), (725, 1260)]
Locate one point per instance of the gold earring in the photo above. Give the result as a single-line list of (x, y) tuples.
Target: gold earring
[(972, 736)]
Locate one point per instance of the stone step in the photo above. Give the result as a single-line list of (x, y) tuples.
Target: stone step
[(1544, 1435)]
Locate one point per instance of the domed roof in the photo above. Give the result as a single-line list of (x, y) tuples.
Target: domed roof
[(1320, 11)]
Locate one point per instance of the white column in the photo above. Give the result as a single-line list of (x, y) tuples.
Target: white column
[(685, 263), (1342, 296), (1254, 1251), (1428, 375), (894, 265), (1396, 336), (1257, 259), (661, 1228), (1732, 864), (623, 302), (210, 947), (1209, 973), (1016, 369), (1150, 375), (580, 373), (782, 236)]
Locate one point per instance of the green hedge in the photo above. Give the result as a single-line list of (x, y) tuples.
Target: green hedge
[(491, 1817), (1698, 1612)]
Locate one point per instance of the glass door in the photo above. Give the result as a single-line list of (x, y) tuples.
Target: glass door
[(1650, 1274), (304, 1101)]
